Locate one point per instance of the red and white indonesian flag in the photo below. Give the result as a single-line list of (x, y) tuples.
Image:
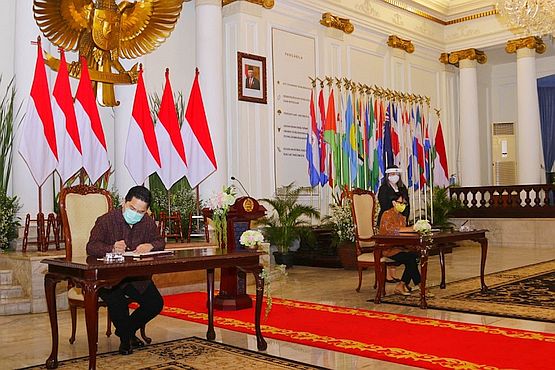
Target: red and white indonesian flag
[(172, 153), (441, 170), (67, 133), (38, 141), (201, 161), (142, 157), (93, 143)]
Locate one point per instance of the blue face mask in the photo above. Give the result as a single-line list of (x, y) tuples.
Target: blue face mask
[(132, 217)]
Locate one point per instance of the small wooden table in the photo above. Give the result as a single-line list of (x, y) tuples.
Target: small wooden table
[(91, 274), (423, 245)]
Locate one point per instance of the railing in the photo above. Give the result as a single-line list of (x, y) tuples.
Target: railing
[(516, 201)]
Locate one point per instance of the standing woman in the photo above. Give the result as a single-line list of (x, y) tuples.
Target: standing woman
[(392, 187)]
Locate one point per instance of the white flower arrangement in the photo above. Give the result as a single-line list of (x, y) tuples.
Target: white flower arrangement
[(342, 220), (219, 204), (251, 238), (422, 227)]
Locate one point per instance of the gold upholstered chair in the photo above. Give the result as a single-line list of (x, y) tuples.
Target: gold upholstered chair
[(80, 206), (363, 208)]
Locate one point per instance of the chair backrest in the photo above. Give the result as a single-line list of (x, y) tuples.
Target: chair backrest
[(80, 206), (363, 208)]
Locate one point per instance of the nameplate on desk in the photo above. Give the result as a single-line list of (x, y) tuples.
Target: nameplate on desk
[(146, 254)]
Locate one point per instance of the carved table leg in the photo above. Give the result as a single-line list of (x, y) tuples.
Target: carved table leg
[(423, 275), (260, 342), (484, 245), (50, 282), (90, 294), (379, 275), (210, 333), (442, 265)]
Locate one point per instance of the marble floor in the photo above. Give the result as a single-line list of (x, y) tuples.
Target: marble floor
[(25, 339)]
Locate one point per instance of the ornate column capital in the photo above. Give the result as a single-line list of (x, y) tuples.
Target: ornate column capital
[(268, 4), (456, 56), (343, 24), (394, 41), (530, 42)]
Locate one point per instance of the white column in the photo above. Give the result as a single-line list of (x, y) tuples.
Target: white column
[(209, 56), (529, 144), (469, 151), (25, 56)]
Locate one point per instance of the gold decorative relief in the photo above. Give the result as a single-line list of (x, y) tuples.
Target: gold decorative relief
[(343, 24), (530, 42), (396, 42), (470, 54), (268, 4), (103, 32)]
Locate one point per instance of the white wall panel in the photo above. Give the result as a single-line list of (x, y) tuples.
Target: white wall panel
[(366, 67)]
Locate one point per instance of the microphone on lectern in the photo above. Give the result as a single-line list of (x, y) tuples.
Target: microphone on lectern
[(242, 187)]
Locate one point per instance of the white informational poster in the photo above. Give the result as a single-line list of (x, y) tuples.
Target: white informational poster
[(293, 63)]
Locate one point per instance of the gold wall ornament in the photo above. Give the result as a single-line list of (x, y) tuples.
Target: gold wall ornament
[(456, 56), (333, 21), (394, 41), (530, 42), (103, 31), (268, 4)]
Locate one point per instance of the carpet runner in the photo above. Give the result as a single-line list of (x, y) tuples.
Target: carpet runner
[(415, 341), (525, 293)]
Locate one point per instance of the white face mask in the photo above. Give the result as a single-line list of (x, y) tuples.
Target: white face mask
[(394, 179)]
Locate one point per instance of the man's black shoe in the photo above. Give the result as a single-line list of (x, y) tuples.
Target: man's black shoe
[(136, 342), (125, 348)]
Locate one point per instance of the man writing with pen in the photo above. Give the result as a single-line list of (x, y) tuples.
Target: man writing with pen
[(126, 229)]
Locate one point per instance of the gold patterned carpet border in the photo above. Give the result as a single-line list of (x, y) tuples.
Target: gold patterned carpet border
[(189, 353), (524, 292)]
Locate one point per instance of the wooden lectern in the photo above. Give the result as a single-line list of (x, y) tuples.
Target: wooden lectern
[(233, 284)]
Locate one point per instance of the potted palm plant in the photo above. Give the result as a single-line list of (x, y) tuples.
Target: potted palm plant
[(443, 207), (287, 222)]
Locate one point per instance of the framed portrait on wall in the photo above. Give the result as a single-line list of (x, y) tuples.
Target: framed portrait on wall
[(251, 78)]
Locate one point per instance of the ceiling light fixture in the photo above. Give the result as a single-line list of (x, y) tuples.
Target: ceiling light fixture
[(534, 17)]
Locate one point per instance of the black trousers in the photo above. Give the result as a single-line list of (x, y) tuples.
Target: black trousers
[(150, 304), (411, 267)]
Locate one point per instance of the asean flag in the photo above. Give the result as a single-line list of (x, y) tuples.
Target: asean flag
[(142, 156), (93, 142), (38, 141), (201, 161)]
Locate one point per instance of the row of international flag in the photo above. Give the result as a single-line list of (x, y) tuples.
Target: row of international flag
[(369, 133), (65, 134)]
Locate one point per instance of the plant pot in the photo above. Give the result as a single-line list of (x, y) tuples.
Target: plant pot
[(347, 255), (286, 259)]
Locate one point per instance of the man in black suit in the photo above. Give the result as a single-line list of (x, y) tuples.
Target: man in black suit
[(251, 82)]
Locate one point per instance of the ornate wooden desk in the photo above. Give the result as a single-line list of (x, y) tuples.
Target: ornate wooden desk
[(91, 274), (423, 245)]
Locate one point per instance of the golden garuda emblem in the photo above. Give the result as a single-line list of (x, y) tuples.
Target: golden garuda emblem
[(104, 31)]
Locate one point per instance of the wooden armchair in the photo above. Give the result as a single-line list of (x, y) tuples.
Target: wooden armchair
[(363, 208), (80, 206)]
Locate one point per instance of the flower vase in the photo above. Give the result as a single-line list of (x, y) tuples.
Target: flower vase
[(252, 248)]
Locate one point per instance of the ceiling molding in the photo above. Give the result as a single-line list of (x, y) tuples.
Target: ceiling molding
[(441, 18)]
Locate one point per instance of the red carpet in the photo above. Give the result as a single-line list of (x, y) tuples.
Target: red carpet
[(409, 340)]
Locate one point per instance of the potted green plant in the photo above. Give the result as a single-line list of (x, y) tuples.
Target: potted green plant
[(9, 221), (443, 207), (288, 220), (9, 206)]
